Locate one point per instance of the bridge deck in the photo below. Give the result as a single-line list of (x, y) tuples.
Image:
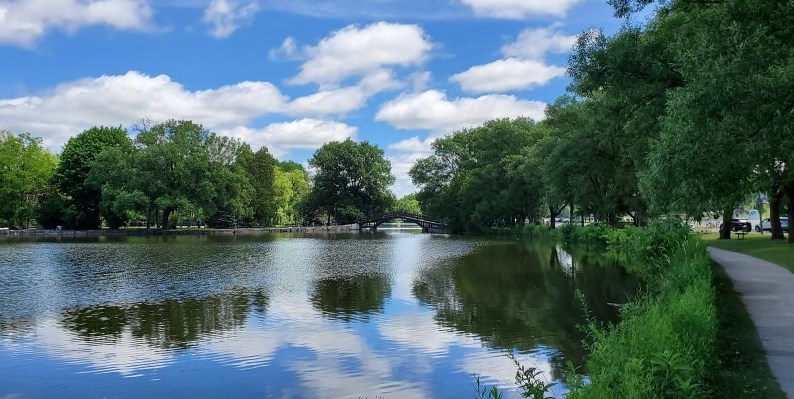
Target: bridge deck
[(426, 223)]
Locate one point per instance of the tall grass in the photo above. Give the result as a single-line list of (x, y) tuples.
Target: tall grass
[(666, 341)]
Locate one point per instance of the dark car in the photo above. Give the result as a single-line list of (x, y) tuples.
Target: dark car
[(740, 225)]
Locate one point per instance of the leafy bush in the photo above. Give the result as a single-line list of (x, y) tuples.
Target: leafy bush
[(666, 341)]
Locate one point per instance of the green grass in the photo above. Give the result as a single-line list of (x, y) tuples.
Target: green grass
[(779, 252), (742, 371)]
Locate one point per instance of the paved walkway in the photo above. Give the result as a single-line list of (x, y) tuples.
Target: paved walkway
[(768, 292)]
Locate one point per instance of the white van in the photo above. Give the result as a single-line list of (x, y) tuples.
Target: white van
[(754, 217)]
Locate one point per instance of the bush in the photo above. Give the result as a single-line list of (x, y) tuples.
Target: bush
[(666, 341)]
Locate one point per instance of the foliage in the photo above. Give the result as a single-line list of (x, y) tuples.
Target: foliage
[(260, 169), (485, 392), (407, 203), (25, 171), (83, 197), (290, 187), (352, 180), (666, 343), (475, 178)]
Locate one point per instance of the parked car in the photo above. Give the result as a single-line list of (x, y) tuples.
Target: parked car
[(766, 224), (740, 225)]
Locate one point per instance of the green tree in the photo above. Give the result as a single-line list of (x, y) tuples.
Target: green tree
[(76, 161), (174, 165), (408, 203), (352, 180), (472, 180), (25, 171), (261, 169), (290, 188)]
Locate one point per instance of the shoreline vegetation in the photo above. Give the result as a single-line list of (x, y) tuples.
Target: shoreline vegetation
[(688, 335), (173, 232)]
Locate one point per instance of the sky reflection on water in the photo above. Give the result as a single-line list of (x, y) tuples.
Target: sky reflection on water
[(397, 315)]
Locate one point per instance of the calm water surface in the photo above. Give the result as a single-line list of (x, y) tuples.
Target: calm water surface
[(387, 315)]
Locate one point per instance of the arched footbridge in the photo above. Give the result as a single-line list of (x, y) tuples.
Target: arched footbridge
[(428, 225)]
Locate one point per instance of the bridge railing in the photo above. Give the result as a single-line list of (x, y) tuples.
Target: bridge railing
[(400, 215)]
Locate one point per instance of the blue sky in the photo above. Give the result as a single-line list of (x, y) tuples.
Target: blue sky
[(289, 75)]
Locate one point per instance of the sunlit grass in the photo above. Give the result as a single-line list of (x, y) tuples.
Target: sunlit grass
[(779, 252)]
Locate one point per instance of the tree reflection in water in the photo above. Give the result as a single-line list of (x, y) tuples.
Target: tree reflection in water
[(168, 324), (523, 298), (352, 297)]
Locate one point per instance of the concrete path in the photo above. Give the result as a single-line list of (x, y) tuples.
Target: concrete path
[(768, 292)]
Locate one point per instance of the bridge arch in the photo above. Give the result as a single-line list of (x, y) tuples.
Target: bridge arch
[(427, 224)]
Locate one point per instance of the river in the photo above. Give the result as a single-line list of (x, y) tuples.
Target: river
[(394, 314)]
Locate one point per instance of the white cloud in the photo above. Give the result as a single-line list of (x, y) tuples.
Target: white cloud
[(524, 68), (288, 50), (23, 22), (124, 99), (519, 9), (420, 80), (344, 100), (354, 52), (505, 75), (432, 110), (534, 44), (284, 136), (226, 16)]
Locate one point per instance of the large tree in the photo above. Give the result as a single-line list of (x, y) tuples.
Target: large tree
[(352, 180), (174, 165), (290, 188), (472, 181), (25, 171), (260, 167), (82, 197)]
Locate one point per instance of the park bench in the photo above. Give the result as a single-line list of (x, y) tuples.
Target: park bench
[(740, 234)]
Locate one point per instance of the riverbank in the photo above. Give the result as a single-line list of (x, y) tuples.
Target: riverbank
[(688, 335), (32, 233)]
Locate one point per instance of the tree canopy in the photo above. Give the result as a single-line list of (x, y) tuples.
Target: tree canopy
[(351, 181)]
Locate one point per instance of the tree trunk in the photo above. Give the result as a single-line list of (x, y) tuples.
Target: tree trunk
[(789, 189), (149, 216), (552, 217), (725, 230), (166, 214), (791, 217), (775, 201)]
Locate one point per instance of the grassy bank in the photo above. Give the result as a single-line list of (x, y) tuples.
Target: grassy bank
[(779, 252), (687, 336), (666, 343)]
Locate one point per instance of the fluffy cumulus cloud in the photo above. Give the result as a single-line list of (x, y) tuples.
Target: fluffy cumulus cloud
[(346, 99), (534, 44), (355, 52), (23, 22), (124, 99), (431, 110), (519, 9), (524, 66), (303, 133), (505, 75), (226, 16)]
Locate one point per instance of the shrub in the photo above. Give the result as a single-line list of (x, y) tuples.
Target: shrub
[(666, 341)]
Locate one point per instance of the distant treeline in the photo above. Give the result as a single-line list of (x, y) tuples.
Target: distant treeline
[(178, 173)]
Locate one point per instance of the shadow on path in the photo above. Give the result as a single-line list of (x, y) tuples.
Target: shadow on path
[(767, 291)]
